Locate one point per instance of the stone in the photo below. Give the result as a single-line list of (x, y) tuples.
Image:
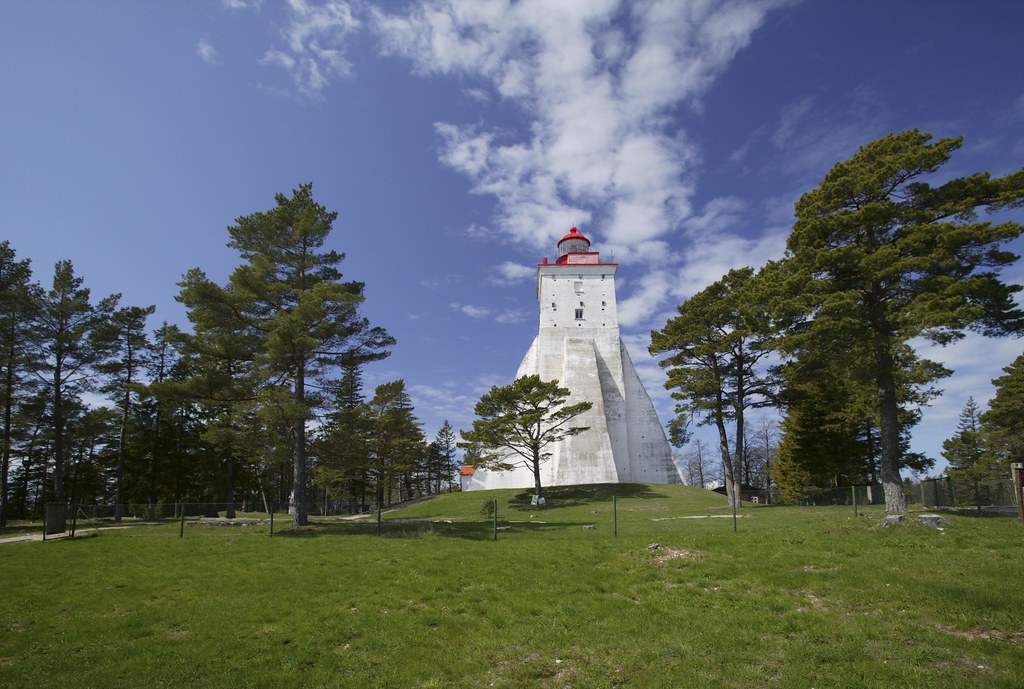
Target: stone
[(892, 520), (589, 527), (653, 546), (936, 521)]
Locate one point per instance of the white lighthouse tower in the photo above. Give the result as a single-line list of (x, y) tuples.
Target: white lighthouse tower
[(578, 344)]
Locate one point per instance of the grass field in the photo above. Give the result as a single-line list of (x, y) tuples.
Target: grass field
[(797, 597)]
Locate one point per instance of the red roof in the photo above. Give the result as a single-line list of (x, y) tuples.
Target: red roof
[(574, 234), (466, 470)]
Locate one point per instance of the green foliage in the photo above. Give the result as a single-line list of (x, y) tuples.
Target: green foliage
[(289, 299), (1003, 422), (63, 351), (487, 508), (881, 257), (343, 445), (396, 442), (15, 310), (965, 450), (715, 346), (517, 422)]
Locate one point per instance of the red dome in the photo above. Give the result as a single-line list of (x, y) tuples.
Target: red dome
[(574, 234)]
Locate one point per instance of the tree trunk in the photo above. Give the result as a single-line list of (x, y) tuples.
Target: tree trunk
[(8, 423), (58, 436), (536, 474), (121, 453), (892, 484), (731, 489), (299, 455), (229, 492)]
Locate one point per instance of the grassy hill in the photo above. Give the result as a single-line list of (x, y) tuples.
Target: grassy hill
[(796, 597)]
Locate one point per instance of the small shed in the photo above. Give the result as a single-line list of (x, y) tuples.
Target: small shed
[(466, 475)]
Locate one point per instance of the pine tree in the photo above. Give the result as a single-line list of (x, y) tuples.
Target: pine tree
[(343, 445), (397, 442), (1002, 425), (884, 257), (517, 422), (65, 353), (126, 352), (715, 347), (15, 308), (965, 450), (289, 293)]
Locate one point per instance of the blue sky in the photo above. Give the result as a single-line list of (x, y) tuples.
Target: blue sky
[(459, 140)]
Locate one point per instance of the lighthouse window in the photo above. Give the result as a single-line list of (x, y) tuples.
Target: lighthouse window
[(554, 306), (604, 304), (579, 314), (578, 285)]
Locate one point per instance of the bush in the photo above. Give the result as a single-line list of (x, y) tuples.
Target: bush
[(487, 508)]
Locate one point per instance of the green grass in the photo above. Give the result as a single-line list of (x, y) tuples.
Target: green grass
[(797, 597)]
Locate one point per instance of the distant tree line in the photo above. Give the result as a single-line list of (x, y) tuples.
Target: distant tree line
[(261, 402), (878, 259)]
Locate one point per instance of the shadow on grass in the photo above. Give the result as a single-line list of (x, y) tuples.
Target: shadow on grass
[(984, 513), (577, 496), (417, 528)]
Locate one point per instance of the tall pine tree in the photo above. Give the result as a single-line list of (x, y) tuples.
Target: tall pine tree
[(886, 257), (290, 294)]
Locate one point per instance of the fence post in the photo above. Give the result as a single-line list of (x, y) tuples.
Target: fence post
[(853, 496), (615, 514), (1017, 469), (181, 528), (495, 517), (271, 521), (952, 493)]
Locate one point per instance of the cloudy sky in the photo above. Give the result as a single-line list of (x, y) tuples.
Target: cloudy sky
[(460, 139)]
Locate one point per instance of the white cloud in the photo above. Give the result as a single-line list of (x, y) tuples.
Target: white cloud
[(315, 38), (512, 316), (599, 145), (242, 4), (206, 51), (510, 272), (789, 120), (471, 311)]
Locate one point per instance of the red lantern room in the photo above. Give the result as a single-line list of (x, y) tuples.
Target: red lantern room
[(575, 248)]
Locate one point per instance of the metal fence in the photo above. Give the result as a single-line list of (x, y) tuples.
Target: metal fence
[(62, 518), (948, 492), (819, 497)]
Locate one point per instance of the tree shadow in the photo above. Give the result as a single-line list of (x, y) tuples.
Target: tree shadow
[(577, 496), (395, 528), (418, 528)]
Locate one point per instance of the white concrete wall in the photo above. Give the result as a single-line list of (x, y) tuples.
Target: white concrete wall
[(625, 441)]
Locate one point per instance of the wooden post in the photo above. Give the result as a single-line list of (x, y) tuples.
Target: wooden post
[(1017, 468), (615, 514), (495, 516)]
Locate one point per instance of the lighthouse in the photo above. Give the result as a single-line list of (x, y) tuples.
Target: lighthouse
[(578, 344)]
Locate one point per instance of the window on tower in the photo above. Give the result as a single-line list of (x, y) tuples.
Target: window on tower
[(578, 285), (579, 314)]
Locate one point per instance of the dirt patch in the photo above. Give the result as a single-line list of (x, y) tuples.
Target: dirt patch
[(1016, 638), (664, 554)]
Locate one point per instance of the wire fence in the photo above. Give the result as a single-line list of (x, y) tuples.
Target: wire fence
[(995, 496), (62, 518), (980, 495)]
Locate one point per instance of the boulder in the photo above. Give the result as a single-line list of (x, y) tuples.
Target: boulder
[(933, 520)]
